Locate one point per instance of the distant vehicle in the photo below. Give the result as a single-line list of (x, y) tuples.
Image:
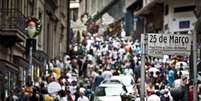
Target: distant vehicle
[(110, 81), (109, 92), (199, 71), (199, 76), (124, 80), (182, 65)]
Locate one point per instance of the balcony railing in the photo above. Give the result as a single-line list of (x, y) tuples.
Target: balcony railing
[(12, 19)]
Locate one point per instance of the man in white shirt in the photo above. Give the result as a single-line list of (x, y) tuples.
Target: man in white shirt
[(153, 97), (107, 74)]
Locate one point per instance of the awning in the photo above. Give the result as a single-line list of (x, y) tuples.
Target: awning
[(147, 9)]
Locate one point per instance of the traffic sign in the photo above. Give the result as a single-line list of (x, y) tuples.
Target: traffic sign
[(168, 44)]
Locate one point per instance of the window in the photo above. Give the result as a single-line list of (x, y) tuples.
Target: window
[(4, 3), (74, 14), (39, 39), (1, 3), (166, 9), (100, 91), (31, 6), (184, 24), (184, 9), (166, 26), (19, 5)]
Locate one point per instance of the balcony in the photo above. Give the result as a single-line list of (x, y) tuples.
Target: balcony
[(12, 25)]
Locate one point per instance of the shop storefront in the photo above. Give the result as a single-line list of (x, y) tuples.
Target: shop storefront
[(8, 77)]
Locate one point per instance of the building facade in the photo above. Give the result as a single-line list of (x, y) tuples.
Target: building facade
[(50, 43), (102, 13), (133, 24), (169, 16), (107, 12)]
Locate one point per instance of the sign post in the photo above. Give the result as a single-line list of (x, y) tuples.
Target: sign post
[(157, 45), (194, 66), (142, 71)]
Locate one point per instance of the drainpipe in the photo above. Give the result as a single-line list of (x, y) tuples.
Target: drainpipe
[(68, 27)]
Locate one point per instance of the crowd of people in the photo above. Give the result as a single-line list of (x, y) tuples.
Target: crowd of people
[(76, 76)]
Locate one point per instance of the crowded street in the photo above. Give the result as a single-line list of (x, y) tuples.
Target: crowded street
[(110, 70), (100, 50)]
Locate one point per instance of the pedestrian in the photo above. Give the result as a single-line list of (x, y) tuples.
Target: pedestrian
[(28, 89), (69, 97), (116, 71), (46, 96), (62, 96), (82, 96), (77, 93), (190, 93), (153, 97), (164, 95), (185, 89), (98, 79), (35, 96), (171, 75), (181, 92), (12, 96), (107, 74), (20, 94), (137, 70)]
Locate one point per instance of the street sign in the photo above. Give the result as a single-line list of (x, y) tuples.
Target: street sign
[(168, 44)]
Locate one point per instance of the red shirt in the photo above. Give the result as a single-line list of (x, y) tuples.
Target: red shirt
[(190, 95)]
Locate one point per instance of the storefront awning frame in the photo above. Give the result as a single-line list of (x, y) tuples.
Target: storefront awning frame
[(147, 9)]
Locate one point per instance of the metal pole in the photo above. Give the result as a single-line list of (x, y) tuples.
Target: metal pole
[(194, 65), (30, 65), (142, 83)]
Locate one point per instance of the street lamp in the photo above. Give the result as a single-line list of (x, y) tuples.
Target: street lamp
[(32, 30)]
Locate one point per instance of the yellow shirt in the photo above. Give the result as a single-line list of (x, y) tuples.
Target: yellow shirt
[(48, 98), (57, 71)]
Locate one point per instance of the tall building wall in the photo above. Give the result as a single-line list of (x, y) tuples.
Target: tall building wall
[(173, 18), (51, 42)]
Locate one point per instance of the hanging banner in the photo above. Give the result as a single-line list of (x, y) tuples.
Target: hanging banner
[(168, 44)]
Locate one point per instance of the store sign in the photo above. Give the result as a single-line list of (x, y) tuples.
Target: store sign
[(184, 24), (168, 44)]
